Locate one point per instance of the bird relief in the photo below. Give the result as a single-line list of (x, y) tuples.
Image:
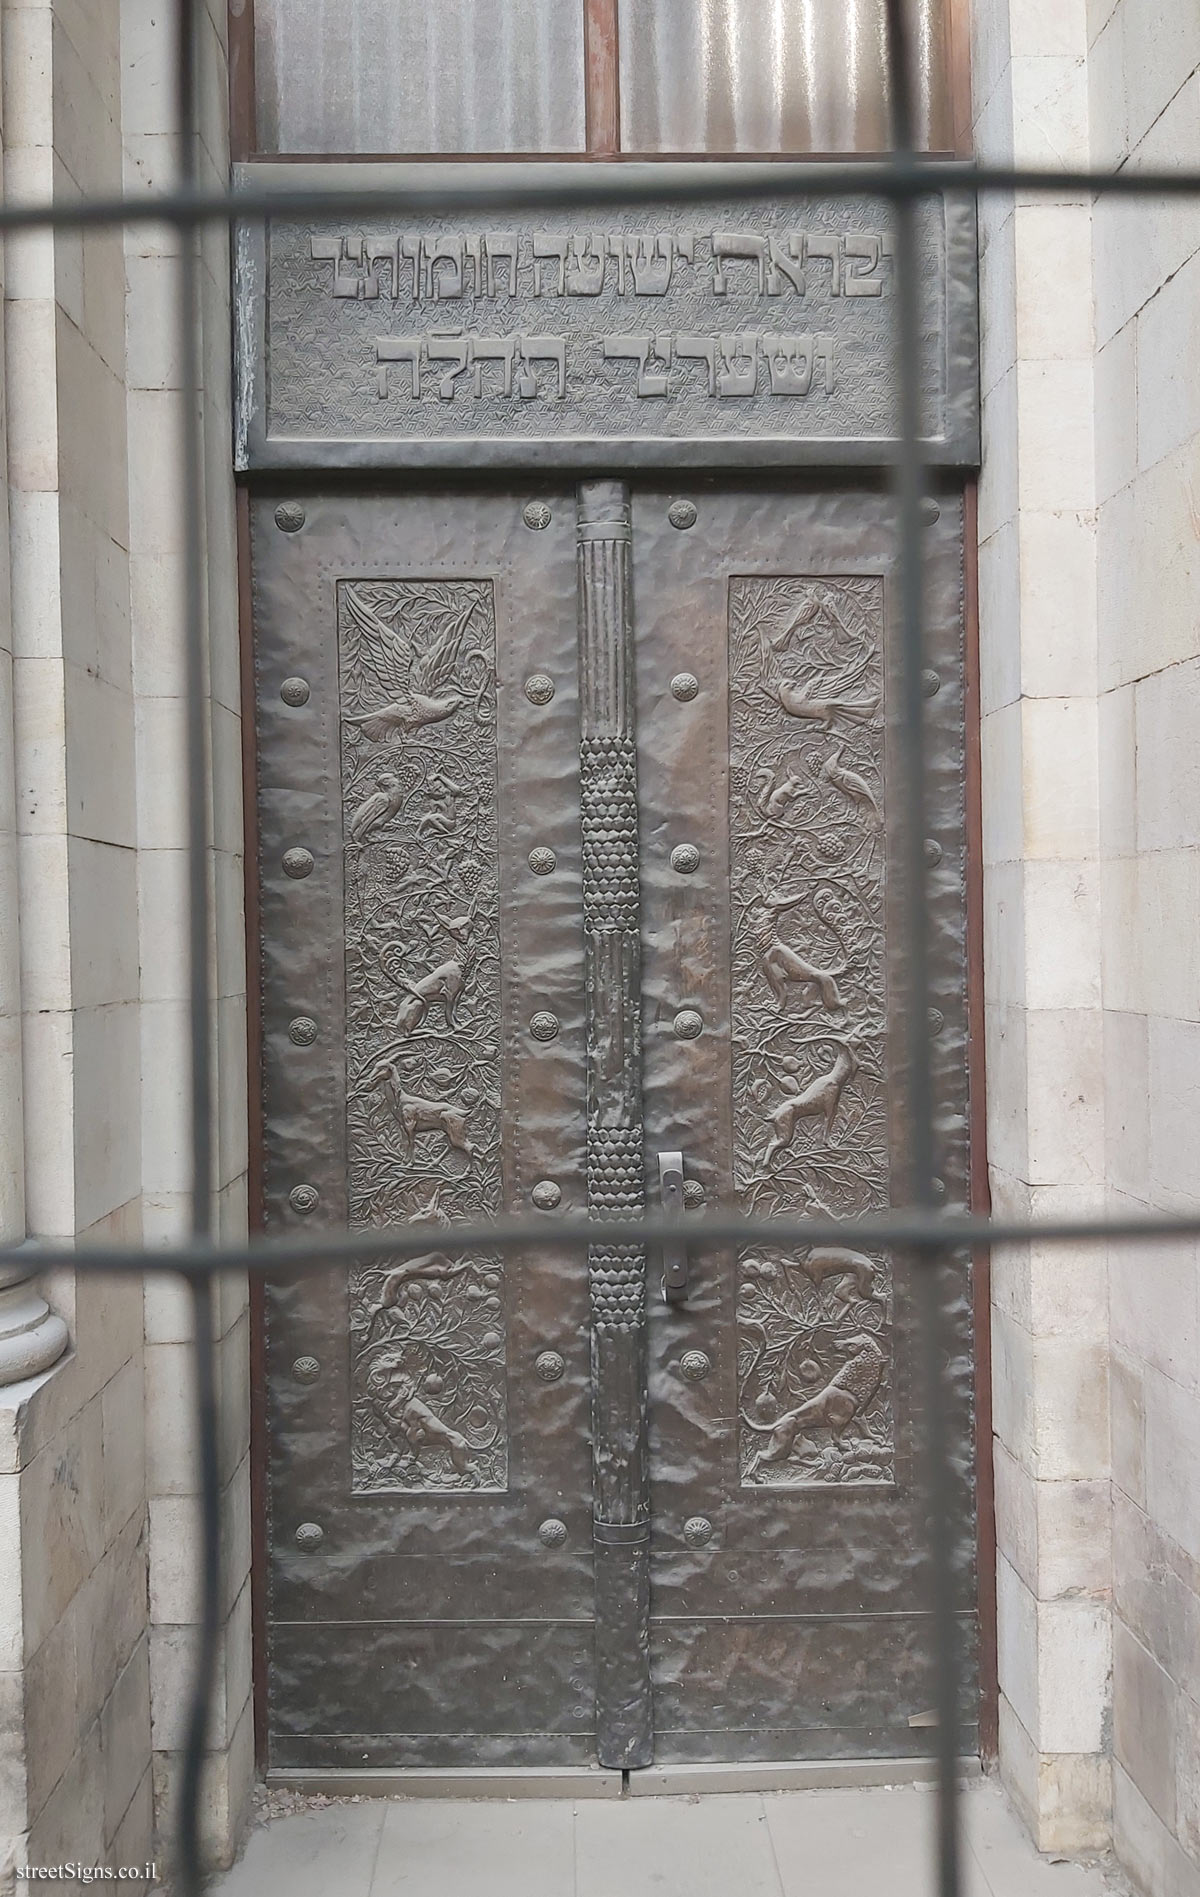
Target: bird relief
[(808, 989), (423, 1055)]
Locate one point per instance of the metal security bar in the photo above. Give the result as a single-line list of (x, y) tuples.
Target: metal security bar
[(929, 1235)]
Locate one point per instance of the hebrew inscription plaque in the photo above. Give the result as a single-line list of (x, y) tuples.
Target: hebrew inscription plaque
[(724, 331)]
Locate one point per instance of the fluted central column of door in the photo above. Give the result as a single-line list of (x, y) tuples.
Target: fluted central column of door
[(615, 1167)]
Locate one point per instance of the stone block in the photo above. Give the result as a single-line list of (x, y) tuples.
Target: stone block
[(51, 1709), (1154, 1305), (103, 927), (1144, 1698), (1172, 1465), (1062, 934), (1002, 774), (1145, 1848), (1116, 414), (998, 487), (1065, 1096), (100, 759), (1050, 110), (1070, 1415), (156, 600), (1174, 1095), (62, 1535), (125, 1735), (153, 329), (1161, 49), (34, 554), (1168, 770), (1055, 405), (1058, 603), (107, 1107), (1053, 271), (166, 1162), (1127, 1103), (161, 791), (123, 1419), (1004, 933), (999, 619), (1059, 759), (111, 1617), (1013, 1418), (45, 939), (998, 340), (1127, 1426), (132, 1843), (70, 1826)]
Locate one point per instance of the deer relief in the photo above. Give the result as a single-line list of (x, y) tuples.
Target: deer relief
[(416, 1114), (820, 1100)]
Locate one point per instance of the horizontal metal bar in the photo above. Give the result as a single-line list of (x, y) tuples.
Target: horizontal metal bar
[(912, 1231), (468, 187)]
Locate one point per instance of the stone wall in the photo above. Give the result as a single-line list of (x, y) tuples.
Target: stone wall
[(97, 1483), (1144, 79), (1042, 947)]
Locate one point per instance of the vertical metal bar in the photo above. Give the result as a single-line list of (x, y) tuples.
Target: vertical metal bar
[(189, 17), (615, 1161), (909, 489)]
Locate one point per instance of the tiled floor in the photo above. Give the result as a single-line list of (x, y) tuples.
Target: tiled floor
[(785, 1844)]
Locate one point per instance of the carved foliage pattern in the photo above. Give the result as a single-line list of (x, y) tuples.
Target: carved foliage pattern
[(417, 662), (808, 1011)]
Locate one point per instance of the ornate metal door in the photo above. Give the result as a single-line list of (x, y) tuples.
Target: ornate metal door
[(575, 839)]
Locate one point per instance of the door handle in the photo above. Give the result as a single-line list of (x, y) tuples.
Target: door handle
[(674, 1251)]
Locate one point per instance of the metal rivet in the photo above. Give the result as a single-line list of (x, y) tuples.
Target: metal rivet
[(694, 1365), (303, 1030), (298, 863), (697, 1531), (539, 688), (542, 861), (304, 1199), (309, 1535), (682, 514), (931, 683), (306, 1370), (930, 511), (537, 515), (289, 517), (684, 686), (546, 1195), (549, 1366), (685, 859), (939, 1188), (933, 852), (552, 1533), (694, 1195), (688, 1023), (295, 691), (936, 1020), (544, 1026)]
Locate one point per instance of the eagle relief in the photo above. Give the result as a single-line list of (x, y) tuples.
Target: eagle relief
[(814, 1340), (423, 1059)]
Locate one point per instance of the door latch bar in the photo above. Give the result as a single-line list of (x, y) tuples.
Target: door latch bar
[(674, 1251)]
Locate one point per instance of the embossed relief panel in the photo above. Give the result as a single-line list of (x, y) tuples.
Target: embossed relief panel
[(809, 1034), (423, 1064)]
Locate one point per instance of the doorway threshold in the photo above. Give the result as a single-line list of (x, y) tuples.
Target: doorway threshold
[(655, 1781)]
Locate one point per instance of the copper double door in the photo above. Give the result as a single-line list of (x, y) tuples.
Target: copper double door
[(576, 890)]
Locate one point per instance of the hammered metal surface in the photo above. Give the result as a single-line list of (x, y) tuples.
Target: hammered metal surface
[(795, 1626), (425, 1571), (799, 1630)]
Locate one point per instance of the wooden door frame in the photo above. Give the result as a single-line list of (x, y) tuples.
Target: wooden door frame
[(602, 109)]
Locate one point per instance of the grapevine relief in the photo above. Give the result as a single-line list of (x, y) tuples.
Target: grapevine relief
[(809, 1047), (417, 663)]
